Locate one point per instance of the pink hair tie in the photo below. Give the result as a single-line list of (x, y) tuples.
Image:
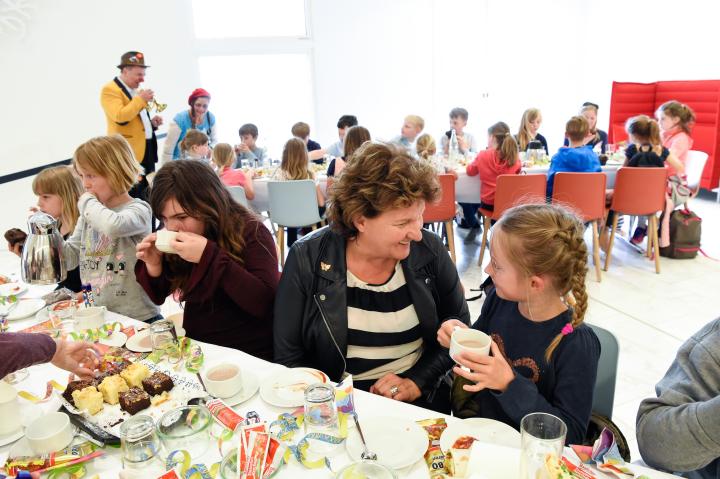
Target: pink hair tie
[(567, 329)]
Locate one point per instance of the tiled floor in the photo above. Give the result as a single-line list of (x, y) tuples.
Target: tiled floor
[(650, 314)]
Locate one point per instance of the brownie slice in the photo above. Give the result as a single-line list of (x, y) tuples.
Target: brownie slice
[(73, 386), (134, 400), (157, 383)]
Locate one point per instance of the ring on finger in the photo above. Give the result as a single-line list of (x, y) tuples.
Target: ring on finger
[(393, 391)]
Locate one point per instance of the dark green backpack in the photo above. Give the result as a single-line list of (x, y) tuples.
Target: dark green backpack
[(685, 229)]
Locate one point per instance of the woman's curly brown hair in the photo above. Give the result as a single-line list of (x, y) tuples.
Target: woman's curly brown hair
[(380, 178)]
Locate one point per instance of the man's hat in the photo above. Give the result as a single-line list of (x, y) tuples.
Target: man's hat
[(132, 59)]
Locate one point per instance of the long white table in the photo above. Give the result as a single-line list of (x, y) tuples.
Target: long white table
[(367, 405)]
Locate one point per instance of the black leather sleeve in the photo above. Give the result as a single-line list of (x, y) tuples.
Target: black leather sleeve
[(290, 304)]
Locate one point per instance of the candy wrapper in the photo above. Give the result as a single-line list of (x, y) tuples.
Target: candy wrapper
[(275, 457), (605, 454), (224, 415), (434, 457), (70, 455), (244, 446), (344, 395), (257, 449)]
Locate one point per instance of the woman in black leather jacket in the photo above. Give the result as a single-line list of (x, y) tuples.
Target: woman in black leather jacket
[(367, 295)]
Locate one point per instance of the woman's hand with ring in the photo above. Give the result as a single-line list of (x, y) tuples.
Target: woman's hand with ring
[(394, 387)]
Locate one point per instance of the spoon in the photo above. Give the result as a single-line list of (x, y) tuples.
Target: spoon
[(366, 454)]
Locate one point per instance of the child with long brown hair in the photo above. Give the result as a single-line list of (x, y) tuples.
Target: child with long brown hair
[(225, 266), (676, 121), (543, 358), (195, 146), (354, 138), (529, 126), (223, 157)]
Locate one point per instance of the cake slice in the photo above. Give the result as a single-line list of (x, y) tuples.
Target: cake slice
[(134, 374), (89, 399), (157, 383), (111, 387), (134, 400), (458, 457), (76, 386)]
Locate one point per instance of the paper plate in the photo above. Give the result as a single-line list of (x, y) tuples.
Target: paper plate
[(482, 429), (26, 308), (286, 388), (116, 339), (140, 342), (398, 442)]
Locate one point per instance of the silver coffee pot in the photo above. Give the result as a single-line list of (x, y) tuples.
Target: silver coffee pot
[(42, 258)]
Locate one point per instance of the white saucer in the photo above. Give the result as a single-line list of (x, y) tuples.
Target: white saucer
[(12, 437), (116, 339), (140, 342), (482, 429), (250, 385)]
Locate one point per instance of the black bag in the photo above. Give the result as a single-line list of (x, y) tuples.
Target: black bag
[(685, 231)]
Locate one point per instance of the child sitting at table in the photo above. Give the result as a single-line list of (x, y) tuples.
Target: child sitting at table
[(595, 136), (315, 152), (676, 121), (294, 166), (466, 141), (110, 225), (425, 147), (344, 123), (529, 126), (412, 126), (248, 148), (195, 146), (58, 190), (543, 358), (226, 263), (578, 157), (354, 138), (223, 157)]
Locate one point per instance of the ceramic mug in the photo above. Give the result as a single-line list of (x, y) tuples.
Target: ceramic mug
[(9, 410), (223, 380), (89, 318), (468, 339), (162, 241), (49, 433)]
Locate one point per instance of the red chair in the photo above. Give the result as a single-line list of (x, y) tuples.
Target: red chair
[(443, 211), (512, 190), (639, 192), (585, 194)]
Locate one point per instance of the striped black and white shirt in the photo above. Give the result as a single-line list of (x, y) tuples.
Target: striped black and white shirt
[(383, 328)]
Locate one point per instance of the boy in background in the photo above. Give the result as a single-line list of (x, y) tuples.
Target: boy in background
[(248, 149), (337, 149), (578, 157), (413, 125), (466, 142), (315, 152)]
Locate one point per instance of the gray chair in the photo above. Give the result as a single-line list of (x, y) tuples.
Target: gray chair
[(604, 395), (238, 194), (293, 204)]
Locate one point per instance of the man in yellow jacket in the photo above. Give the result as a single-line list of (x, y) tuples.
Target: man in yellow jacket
[(124, 105)]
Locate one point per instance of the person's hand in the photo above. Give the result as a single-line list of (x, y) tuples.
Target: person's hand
[(242, 148), (150, 255), (394, 387), (251, 173), (446, 330), (462, 144), (146, 95), (189, 246), (156, 121), (78, 357), (487, 372)]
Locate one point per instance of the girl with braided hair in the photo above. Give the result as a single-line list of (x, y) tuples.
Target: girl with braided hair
[(543, 358)]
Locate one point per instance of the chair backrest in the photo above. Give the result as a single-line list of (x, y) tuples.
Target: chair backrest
[(639, 191), (444, 208), (584, 192), (604, 395), (238, 194), (694, 166), (513, 190), (293, 203)]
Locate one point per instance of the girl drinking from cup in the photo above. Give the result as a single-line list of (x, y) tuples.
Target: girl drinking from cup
[(543, 358), (223, 158), (58, 190), (225, 262), (110, 225)]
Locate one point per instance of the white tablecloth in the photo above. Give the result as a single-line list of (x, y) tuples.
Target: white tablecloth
[(367, 405)]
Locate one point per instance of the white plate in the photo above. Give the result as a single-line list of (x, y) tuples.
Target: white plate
[(286, 388), (140, 342), (26, 308), (10, 438), (482, 429), (116, 339), (250, 385), (490, 461), (15, 289), (398, 442)]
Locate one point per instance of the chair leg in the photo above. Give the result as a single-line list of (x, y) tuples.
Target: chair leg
[(281, 244), (596, 250), (486, 226), (648, 252), (656, 243), (450, 238), (612, 241)]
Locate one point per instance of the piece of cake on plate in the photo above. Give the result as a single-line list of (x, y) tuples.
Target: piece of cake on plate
[(111, 387), (134, 374), (76, 386), (89, 399), (134, 400), (458, 457), (157, 383)]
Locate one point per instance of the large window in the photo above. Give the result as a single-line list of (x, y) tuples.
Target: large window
[(249, 18)]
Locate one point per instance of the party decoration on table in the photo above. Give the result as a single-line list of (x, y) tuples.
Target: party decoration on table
[(434, 456), (8, 303), (58, 462), (604, 453), (191, 353), (88, 295), (344, 396), (50, 385), (94, 335), (187, 469)]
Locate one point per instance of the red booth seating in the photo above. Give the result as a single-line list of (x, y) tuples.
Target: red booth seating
[(703, 96)]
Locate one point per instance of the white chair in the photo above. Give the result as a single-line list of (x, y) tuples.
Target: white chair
[(293, 204), (238, 194), (694, 166)]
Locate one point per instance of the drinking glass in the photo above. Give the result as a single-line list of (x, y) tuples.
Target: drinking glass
[(140, 445), (541, 435), (164, 342), (321, 416)]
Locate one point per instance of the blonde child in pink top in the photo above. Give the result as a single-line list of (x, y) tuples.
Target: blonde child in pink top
[(676, 121), (223, 158)]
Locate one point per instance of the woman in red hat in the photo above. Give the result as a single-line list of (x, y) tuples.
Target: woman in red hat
[(197, 117)]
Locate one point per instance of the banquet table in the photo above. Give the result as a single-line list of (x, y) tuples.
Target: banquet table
[(367, 406)]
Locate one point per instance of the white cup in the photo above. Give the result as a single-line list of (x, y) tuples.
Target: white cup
[(468, 339), (162, 241), (49, 433), (89, 318), (223, 380), (9, 410)]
